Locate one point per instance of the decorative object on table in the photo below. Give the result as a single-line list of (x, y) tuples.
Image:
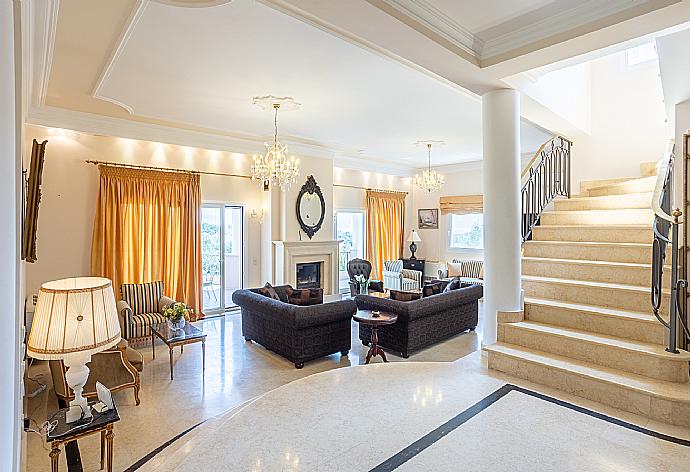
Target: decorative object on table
[(359, 266), (61, 431), (429, 180), (427, 218), (188, 334), (373, 319), (311, 207), (275, 167), (33, 198), (74, 319), (176, 315), (362, 284), (413, 239)]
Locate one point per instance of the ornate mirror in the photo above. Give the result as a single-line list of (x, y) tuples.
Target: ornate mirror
[(311, 207)]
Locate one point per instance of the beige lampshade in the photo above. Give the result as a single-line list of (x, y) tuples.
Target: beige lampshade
[(414, 237), (76, 315)]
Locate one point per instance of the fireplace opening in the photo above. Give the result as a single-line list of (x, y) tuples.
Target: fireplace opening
[(309, 275)]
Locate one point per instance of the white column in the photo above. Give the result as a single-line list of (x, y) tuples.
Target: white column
[(10, 327), (501, 183)]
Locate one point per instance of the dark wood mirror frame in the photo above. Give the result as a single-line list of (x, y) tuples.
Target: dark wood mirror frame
[(33, 198), (310, 187)]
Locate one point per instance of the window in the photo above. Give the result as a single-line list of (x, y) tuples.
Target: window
[(640, 54), (466, 231), (349, 228)]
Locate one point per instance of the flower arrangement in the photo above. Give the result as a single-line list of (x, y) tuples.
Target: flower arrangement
[(176, 314), (362, 283)]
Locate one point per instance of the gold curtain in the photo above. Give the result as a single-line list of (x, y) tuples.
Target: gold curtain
[(385, 227), (146, 228), (462, 205)]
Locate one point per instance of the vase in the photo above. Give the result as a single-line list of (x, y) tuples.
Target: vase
[(176, 325)]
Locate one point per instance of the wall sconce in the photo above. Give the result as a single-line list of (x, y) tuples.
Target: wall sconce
[(257, 214)]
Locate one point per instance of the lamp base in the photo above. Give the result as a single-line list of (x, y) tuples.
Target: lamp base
[(413, 249), (76, 376)]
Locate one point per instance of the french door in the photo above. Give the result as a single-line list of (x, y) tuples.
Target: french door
[(222, 249), (349, 228)]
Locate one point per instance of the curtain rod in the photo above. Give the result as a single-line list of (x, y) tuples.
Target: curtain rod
[(369, 188), (166, 169)]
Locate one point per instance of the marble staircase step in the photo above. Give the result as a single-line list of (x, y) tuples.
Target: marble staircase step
[(639, 185), (585, 185), (636, 253), (648, 169), (668, 402), (600, 233), (611, 295), (596, 271), (650, 360), (606, 202), (637, 326), (634, 216)]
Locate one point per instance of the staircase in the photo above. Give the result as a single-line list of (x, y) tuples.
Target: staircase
[(587, 326)]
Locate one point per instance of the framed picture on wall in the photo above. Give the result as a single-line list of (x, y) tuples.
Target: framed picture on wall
[(427, 218)]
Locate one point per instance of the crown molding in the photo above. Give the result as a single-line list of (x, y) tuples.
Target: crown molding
[(372, 165), (39, 25)]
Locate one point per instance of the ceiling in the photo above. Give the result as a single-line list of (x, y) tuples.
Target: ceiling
[(373, 76)]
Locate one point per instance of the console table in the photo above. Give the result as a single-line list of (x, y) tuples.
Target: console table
[(414, 264)]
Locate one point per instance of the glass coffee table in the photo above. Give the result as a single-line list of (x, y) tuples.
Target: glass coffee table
[(179, 337)]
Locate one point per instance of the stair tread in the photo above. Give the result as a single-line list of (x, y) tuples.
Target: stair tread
[(656, 350), (603, 227), (615, 312), (609, 285), (598, 210), (648, 179), (609, 197), (679, 391), (592, 243), (590, 262)]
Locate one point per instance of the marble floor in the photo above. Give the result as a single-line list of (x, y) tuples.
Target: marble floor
[(236, 372)]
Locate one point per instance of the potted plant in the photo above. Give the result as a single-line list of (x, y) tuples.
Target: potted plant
[(176, 314), (362, 284)]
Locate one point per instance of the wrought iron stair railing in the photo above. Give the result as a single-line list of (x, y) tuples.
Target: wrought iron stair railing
[(547, 176), (666, 224)]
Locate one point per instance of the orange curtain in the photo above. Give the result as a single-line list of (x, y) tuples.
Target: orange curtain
[(385, 226), (147, 227)]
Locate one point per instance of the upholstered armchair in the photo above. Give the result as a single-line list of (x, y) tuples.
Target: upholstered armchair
[(361, 267), (117, 368), (397, 278), (469, 271), (141, 306)]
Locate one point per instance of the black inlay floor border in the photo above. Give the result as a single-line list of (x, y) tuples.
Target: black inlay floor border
[(449, 426), (160, 449)]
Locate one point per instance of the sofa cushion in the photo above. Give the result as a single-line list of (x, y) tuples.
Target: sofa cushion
[(142, 298), (454, 284), (454, 269), (268, 291), (403, 296), (432, 289), (304, 296), (393, 266)]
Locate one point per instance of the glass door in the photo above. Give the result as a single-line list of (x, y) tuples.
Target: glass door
[(222, 235), (349, 228)]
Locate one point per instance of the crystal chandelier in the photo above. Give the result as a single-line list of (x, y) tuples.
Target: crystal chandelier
[(429, 180), (275, 166)]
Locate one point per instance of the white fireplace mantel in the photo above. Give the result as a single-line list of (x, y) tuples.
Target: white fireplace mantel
[(287, 254)]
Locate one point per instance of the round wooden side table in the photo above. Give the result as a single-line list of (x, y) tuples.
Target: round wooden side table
[(375, 320)]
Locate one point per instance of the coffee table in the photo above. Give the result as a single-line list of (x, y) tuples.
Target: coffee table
[(375, 319), (187, 335)]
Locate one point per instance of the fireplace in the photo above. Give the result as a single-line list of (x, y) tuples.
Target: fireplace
[(309, 275)]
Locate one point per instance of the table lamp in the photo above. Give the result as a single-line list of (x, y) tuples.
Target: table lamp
[(74, 319), (413, 238)]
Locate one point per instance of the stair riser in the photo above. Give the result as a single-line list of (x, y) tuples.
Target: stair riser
[(640, 186), (594, 234), (618, 202), (612, 253), (625, 299), (586, 185), (594, 322), (608, 217), (649, 169), (661, 368), (607, 393), (640, 276)]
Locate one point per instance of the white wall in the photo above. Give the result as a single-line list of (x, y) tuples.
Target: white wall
[(70, 189), (10, 286), (628, 121)]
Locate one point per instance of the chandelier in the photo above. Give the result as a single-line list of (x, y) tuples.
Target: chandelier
[(275, 167), (429, 180)]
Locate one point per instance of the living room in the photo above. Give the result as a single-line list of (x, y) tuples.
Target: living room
[(270, 221)]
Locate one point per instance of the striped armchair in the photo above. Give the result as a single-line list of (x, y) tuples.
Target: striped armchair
[(397, 278), (469, 271), (141, 306)]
